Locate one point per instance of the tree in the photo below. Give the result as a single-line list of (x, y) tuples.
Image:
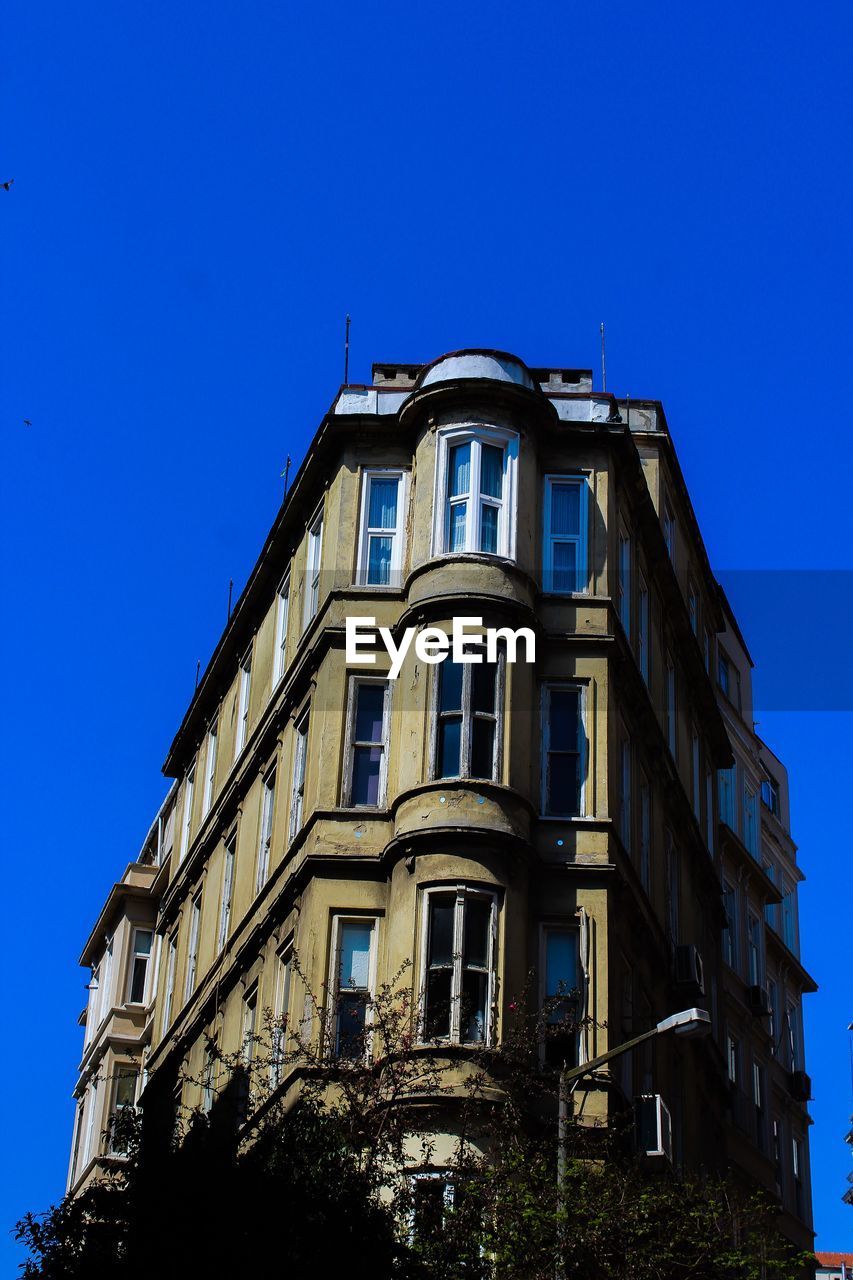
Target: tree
[(321, 1178)]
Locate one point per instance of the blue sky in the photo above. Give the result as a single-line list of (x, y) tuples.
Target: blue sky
[(202, 191)]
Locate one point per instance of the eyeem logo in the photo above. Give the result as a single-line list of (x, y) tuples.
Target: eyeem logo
[(433, 645)]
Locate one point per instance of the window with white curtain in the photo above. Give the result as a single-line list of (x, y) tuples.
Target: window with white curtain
[(383, 514), (564, 543), (475, 501)]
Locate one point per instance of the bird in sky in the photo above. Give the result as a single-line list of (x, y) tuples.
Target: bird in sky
[(27, 422), (7, 184)]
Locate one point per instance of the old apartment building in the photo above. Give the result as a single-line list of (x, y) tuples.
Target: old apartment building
[(605, 817)]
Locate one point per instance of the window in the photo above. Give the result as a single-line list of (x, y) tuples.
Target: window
[(727, 780), (367, 749), (645, 832), (564, 751), (312, 568), (730, 931), (189, 792), (300, 756), (92, 1106), (78, 1134), (706, 649), (192, 952), (560, 993), (467, 741), (138, 977), (124, 1097), (775, 1015), (380, 552), (625, 793), (789, 920), (793, 1016), (459, 947), (754, 930), (733, 1056), (564, 544), (243, 697), (798, 1173), (624, 583), (282, 612), (265, 837), (280, 1016), (208, 1079), (670, 707), (227, 896), (696, 773), (750, 819), (709, 810), (673, 889), (723, 676), (169, 996), (210, 765), (643, 629), (693, 608), (476, 473), (759, 1099), (250, 1013), (770, 795), (669, 530), (353, 966)]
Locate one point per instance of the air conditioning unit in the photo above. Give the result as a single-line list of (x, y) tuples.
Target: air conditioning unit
[(688, 967), (800, 1086), (756, 998), (654, 1126)]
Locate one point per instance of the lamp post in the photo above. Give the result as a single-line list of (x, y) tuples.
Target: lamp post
[(689, 1023)]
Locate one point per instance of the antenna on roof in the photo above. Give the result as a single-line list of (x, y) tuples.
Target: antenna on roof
[(603, 361), (230, 589), (286, 473), (197, 672), (346, 355)]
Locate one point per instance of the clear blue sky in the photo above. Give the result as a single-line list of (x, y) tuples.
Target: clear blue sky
[(203, 190)]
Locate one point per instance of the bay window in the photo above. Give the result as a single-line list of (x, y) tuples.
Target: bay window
[(380, 551), (137, 982), (564, 543), (459, 944), (469, 719), (475, 501)]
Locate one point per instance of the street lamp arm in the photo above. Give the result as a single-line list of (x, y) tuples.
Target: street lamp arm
[(575, 1073)]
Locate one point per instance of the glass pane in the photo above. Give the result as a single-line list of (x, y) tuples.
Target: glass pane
[(450, 686), (437, 1014), (565, 509), (483, 749), (478, 914), (483, 678), (368, 714), (488, 529), (449, 747), (560, 962), (564, 720), (472, 1019), (355, 955), (458, 513), (429, 1208), (491, 471), (382, 511), (352, 1009), (366, 771), (563, 785), (125, 1088), (142, 944), (441, 910), (379, 560), (565, 566), (460, 470), (137, 985)]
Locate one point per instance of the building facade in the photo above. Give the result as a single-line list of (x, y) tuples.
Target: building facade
[(468, 823)]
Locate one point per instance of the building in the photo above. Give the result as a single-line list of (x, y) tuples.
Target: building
[(834, 1266), (570, 816)]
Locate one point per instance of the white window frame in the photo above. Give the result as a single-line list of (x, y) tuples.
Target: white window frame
[(572, 927), (350, 743), (583, 744), (227, 893), (476, 435), (582, 574), (463, 892), (338, 923), (313, 561), (301, 729), (281, 1013), (210, 764), (265, 830), (91, 1104), (248, 1030), (193, 945), (468, 717), (397, 534), (169, 990), (126, 1069), (244, 698), (623, 582), (282, 614), (136, 955), (187, 816), (643, 628)]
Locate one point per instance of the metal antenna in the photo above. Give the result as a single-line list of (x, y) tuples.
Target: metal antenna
[(230, 589), (346, 356), (603, 361), (628, 412), (197, 672), (286, 473)]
